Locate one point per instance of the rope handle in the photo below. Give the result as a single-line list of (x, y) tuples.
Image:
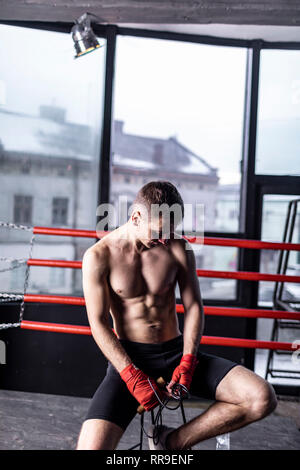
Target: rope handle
[(179, 392)]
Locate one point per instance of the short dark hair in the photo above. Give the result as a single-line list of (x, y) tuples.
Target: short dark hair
[(159, 192)]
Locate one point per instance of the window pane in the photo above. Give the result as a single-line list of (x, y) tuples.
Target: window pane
[(275, 208), (60, 211), (22, 209), (220, 259), (278, 129), (50, 130), (273, 223), (178, 110)]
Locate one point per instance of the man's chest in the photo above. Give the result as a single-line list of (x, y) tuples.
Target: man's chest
[(151, 272)]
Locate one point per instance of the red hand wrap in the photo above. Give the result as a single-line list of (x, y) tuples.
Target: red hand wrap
[(183, 373), (138, 385)]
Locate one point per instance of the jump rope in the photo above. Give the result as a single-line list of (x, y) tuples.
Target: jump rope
[(179, 392)]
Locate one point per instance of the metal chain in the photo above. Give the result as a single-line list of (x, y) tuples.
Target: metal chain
[(10, 225), (4, 326), (20, 262), (22, 307), (12, 297), (6, 297)]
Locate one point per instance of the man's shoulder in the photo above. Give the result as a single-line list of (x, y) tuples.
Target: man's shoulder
[(180, 243), (182, 250), (102, 251), (96, 254)]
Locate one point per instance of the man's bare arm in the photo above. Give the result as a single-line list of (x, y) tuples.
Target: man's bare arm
[(191, 298), (96, 294)]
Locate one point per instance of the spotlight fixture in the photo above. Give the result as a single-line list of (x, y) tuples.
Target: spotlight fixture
[(84, 38)]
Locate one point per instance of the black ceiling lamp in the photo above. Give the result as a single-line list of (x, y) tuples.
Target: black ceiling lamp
[(84, 38)]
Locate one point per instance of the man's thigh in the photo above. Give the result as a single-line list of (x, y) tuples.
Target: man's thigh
[(112, 401), (209, 373), (242, 385)]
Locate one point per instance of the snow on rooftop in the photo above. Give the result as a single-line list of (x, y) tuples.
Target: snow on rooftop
[(131, 162), (37, 135), (195, 166), (25, 134)]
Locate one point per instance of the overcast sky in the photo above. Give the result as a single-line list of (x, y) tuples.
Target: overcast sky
[(162, 88)]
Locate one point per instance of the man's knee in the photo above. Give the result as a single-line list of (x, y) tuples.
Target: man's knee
[(99, 434), (261, 402)]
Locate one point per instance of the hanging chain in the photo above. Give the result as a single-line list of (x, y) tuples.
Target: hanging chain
[(22, 307), (10, 225), (12, 297), (4, 326), (19, 262)]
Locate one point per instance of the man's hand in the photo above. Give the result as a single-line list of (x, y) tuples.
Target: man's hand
[(138, 385), (183, 374)]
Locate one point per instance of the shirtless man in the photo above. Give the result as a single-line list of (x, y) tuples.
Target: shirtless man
[(132, 275)]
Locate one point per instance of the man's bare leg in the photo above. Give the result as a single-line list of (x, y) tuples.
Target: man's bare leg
[(99, 434), (242, 397)]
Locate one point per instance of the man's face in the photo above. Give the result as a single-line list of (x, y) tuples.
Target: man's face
[(155, 231)]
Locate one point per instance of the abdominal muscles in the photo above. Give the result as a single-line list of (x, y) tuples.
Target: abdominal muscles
[(146, 319)]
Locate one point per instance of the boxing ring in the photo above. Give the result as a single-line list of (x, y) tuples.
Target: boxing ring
[(208, 310), (237, 312)]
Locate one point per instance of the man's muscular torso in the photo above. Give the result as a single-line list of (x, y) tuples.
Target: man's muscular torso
[(141, 283)]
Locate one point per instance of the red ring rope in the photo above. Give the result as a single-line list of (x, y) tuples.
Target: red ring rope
[(54, 299), (210, 340), (215, 241), (220, 311), (244, 275), (54, 263), (247, 275)]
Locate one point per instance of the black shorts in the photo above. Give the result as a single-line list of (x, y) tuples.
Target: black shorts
[(113, 401)]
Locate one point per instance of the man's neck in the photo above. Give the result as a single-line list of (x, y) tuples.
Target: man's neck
[(127, 231)]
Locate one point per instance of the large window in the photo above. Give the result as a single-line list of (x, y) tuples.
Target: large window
[(51, 110), (178, 115), (278, 131)]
